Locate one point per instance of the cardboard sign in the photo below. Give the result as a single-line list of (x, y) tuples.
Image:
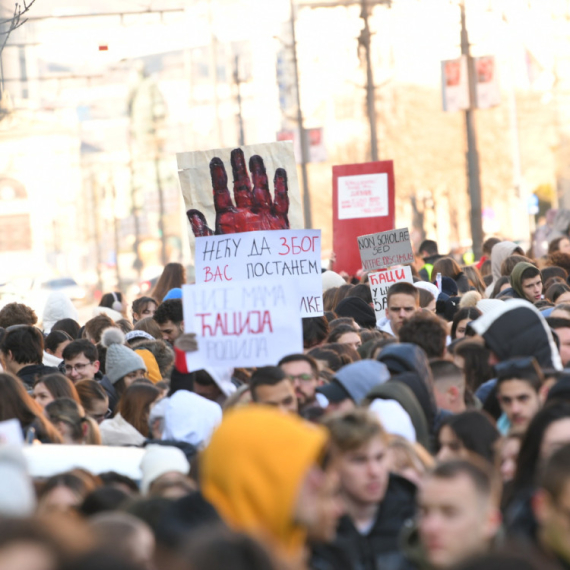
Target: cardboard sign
[(363, 203), (242, 323), (381, 281), (385, 249), (293, 255)]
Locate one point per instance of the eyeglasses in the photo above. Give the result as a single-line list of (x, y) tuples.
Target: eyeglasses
[(79, 367), (301, 377)]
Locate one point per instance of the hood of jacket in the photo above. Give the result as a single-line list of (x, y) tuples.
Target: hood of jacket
[(499, 253), (516, 277), (111, 313), (358, 378), (191, 418), (518, 329), (423, 394), (406, 398), (58, 306), (253, 469), (118, 431), (51, 360), (407, 357)]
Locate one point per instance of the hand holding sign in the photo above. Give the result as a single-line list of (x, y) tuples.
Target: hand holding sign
[(254, 208)]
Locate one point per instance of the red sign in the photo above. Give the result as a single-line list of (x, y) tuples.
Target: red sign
[(363, 203)]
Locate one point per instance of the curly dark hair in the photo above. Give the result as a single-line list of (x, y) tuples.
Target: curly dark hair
[(17, 314), (427, 331), (559, 259), (170, 310)]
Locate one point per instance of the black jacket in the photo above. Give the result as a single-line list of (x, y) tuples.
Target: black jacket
[(112, 394), (379, 548), (29, 374)]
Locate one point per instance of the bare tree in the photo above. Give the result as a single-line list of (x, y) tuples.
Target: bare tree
[(8, 25)]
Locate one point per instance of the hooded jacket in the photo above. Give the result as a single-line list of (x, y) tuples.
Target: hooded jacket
[(516, 278), (499, 253), (358, 378), (406, 398), (30, 373), (518, 329), (253, 470), (118, 431), (378, 549), (58, 306)]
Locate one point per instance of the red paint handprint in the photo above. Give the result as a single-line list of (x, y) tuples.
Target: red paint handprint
[(254, 209)]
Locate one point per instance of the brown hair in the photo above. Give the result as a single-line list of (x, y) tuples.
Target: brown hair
[(554, 245), (89, 391), (352, 429), (150, 326), (345, 351), (560, 260), (475, 278), (329, 299), (135, 403), (426, 297), (59, 386), (71, 413), (95, 327), (447, 266), (510, 262), (16, 403), (340, 294), (173, 276), (17, 314)]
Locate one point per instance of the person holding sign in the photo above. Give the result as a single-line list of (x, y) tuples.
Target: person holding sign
[(403, 303)]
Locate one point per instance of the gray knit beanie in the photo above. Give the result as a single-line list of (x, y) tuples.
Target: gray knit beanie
[(120, 359)]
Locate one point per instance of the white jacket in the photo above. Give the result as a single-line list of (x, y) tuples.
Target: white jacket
[(118, 431)]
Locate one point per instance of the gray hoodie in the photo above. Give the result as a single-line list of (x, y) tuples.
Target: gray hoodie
[(360, 377)]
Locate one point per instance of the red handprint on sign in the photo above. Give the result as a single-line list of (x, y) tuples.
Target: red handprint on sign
[(254, 209)]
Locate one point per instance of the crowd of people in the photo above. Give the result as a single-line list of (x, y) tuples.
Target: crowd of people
[(437, 437)]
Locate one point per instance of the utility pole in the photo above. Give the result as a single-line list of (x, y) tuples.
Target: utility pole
[(301, 127), (472, 153), (238, 96), (116, 235), (96, 234), (364, 41)]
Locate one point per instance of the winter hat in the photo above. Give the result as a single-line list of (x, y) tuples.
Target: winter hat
[(359, 310), (138, 334), (223, 378), (17, 495), (331, 280), (159, 460), (120, 360), (191, 418), (154, 374), (489, 305), (430, 287), (175, 293), (394, 418), (448, 286), (469, 299), (516, 277), (58, 306)]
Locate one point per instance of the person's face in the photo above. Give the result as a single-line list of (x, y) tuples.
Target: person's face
[(454, 524), (461, 328), (532, 288), (280, 395), (450, 446), (132, 376), (519, 401), (350, 338), (98, 410), (304, 380), (147, 311), (42, 395), (61, 499), (564, 338), (400, 308), (170, 331), (553, 516), (564, 298), (560, 313), (509, 453), (564, 246), (81, 368), (432, 306), (556, 436), (364, 472)]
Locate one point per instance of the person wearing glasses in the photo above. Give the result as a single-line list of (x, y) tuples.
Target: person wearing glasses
[(81, 361), (303, 371), (518, 385)]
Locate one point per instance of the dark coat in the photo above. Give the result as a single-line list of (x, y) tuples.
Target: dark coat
[(112, 394), (379, 548), (29, 374)]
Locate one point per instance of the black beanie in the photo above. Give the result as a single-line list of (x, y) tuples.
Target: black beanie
[(359, 310)]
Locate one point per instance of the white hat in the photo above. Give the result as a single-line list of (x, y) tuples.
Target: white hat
[(430, 287), (17, 495), (394, 418), (223, 378), (161, 459), (489, 305), (58, 306), (331, 279)]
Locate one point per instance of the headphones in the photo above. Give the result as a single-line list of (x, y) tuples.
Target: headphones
[(117, 304)]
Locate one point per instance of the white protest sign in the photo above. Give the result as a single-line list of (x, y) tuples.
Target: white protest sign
[(385, 249), (290, 255), (242, 323), (381, 281), (362, 196), (11, 432)]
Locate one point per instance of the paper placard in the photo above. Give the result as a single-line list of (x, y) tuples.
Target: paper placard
[(292, 255), (363, 196), (242, 323), (381, 281), (385, 249), (11, 432)]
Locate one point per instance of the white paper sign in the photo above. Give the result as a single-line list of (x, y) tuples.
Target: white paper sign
[(290, 255), (242, 323), (362, 196), (454, 84), (381, 281), (11, 432)]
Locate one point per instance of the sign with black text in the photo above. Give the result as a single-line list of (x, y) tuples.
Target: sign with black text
[(385, 249), (381, 281), (290, 255)]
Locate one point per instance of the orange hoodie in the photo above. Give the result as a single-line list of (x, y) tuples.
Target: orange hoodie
[(253, 469)]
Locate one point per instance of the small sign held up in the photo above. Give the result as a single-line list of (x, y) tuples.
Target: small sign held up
[(385, 249), (242, 323), (381, 281)]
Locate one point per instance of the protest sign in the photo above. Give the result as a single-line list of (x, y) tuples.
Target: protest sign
[(242, 323), (363, 203), (11, 432), (287, 254), (209, 205), (381, 281), (385, 249)]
